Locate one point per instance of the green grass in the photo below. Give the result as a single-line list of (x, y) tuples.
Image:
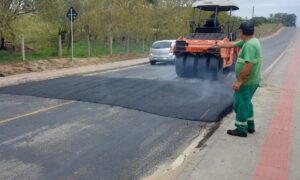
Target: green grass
[(80, 51), (7, 57)]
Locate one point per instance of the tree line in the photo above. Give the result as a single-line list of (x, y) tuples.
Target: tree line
[(286, 19), (138, 20), (100, 19), (103, 20)]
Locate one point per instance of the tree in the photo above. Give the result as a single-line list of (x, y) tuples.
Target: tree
[(290, 20), (11, 10), (259, 20), (284, 18)]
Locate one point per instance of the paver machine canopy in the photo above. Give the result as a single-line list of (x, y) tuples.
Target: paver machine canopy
[(194, 57)]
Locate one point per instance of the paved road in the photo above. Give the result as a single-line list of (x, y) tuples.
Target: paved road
[(48, 138)]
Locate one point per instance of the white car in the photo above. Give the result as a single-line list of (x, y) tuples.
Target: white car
[(162, 51)]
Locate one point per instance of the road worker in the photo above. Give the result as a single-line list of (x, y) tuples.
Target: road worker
[(248, 78)]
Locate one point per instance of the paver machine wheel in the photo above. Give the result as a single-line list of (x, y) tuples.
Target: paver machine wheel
[(186, 65), (208, 67), (203, 66), (179, 65)]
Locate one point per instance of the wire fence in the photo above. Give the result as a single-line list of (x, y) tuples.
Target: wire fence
[(56, 46)]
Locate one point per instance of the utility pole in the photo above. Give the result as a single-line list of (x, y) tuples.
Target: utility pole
[(253, 9)]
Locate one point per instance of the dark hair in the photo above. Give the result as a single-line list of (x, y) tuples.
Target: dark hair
[(247, 28)]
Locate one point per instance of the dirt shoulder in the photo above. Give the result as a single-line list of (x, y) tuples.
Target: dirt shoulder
[(56, 73), (62, 63), (267, 30)]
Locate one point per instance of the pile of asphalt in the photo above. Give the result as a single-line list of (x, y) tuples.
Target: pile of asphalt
[(198, 101)]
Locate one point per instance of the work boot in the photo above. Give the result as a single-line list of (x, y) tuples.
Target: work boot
[(237, 132), (251, 131)]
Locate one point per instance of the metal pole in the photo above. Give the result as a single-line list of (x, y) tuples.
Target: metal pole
[(200, 14), (216, 16), (193, 21), (194, 14), (253, 9), (72, 38), (228, 24)]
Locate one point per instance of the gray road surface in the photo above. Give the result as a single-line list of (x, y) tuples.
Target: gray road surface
[(84, 140)]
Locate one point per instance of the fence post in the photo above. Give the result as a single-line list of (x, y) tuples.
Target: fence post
[(111, 44), (59, 46), (128, 45), (143, 45), (23, 48), (89, 45)]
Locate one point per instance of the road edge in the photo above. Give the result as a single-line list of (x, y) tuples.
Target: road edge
[(52, 74), (272, 35)]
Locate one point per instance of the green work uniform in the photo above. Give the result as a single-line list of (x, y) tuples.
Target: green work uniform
[(251, 52)]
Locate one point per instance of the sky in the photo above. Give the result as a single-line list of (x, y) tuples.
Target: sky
[(266, 7)]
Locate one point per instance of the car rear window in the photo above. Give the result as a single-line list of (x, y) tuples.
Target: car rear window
[(161, 45)]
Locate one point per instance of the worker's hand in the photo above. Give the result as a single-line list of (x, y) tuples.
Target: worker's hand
[(237, 85)]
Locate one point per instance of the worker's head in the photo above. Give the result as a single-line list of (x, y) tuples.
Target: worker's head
[(247, 30)]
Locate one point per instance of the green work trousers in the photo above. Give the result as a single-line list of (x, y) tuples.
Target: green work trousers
[(243, 107)]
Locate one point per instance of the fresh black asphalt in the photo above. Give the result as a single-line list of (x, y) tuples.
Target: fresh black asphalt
[(198, 101)]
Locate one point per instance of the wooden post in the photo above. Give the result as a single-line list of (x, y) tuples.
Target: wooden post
[(143, 45), (59, 46), (128, 44), (89, 45), (111, 44), (23, 48)]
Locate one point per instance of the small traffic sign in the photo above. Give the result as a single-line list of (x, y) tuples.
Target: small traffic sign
[(72, 14)]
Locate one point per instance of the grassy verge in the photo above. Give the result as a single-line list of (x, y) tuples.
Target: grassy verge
[(267, 29), (98, 49), (54, 64)]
